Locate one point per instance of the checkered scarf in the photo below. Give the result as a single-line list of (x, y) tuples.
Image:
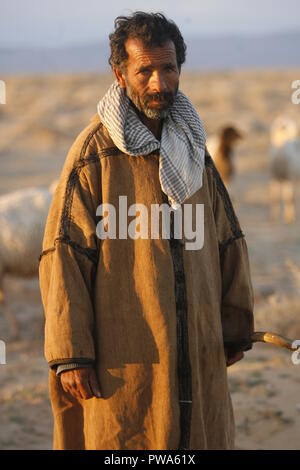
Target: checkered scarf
[(182, 145)]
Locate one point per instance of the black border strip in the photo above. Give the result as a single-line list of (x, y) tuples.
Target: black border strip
[(90, 253), (72, 180), (234, 223)]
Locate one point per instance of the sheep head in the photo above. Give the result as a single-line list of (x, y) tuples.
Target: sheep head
[(283, 130)]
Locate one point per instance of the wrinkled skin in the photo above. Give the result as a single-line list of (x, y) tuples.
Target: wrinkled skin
[(81, 383)]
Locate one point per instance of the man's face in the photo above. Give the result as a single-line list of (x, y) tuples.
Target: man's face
[(151, 78)]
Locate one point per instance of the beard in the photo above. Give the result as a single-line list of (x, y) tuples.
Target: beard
[(165, 99)]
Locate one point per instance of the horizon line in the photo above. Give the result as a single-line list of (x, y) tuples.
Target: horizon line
[(187, 37)]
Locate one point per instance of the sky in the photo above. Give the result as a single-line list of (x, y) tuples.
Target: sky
[(51, 23)]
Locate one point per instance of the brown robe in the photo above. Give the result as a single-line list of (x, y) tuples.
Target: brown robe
[(152, 316)]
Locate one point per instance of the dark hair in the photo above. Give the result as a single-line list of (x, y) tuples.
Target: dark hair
[(153, 29)]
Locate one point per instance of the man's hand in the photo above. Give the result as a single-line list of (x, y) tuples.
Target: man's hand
[(233, 359), (81, 383)]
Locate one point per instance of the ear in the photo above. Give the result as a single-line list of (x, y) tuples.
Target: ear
[(120, 76)]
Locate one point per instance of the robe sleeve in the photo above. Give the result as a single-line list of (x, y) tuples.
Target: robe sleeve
[(68, 263), (237, 303)]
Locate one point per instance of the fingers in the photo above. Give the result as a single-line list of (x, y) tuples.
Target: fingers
[(94, 385), (81, 383), (71, 382), (76, 382)]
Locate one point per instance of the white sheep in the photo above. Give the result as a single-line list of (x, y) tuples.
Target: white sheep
[(23, 215), (284, 166)]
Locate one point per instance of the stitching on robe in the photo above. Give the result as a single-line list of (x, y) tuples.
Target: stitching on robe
[(234, 224), (72, 180), (90, 253), (224, 244), (184, 369)]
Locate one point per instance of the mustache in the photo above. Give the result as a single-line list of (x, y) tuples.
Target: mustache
[(162, 96)]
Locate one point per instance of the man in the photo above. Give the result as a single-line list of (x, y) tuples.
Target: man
[(139, 330)]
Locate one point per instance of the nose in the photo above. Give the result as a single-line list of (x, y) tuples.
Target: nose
[(157, 82)]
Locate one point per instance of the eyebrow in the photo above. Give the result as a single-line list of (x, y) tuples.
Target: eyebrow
[(149, 66)]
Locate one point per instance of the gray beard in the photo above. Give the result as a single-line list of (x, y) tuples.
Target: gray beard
[(150, 113), (154, 113)]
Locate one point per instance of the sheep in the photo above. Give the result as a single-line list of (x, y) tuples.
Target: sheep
[(284, 167), (221, 148), (23, 215)]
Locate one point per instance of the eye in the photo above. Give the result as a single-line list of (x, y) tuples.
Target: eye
[(144, 71)]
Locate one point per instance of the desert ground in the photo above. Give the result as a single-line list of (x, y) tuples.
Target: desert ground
[(42, 117)]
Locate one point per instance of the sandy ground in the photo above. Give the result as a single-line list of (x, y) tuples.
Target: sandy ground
[(37, 126)]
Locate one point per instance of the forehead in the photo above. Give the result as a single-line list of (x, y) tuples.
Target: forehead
[(139, 54)]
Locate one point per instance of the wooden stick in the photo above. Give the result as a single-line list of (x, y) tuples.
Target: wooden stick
[(272, 338)]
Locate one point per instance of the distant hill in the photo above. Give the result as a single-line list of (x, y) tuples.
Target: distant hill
[(203, 53)]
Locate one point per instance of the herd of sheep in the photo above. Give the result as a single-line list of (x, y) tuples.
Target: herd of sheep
[(23, 213)]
